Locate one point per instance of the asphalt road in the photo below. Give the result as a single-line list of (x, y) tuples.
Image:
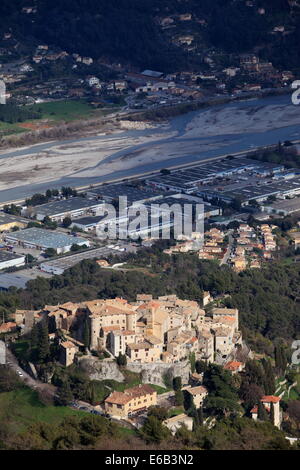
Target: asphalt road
[(36, 385), (229, 248)]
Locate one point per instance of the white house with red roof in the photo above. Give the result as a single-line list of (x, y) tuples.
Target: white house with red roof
[(268, 401)]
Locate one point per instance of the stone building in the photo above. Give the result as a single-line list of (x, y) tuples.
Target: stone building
[(67, 353), (122, 405)]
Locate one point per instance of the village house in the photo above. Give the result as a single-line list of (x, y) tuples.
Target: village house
[(206, 350), (198, 393), (7, 327), (268, 401), (176, 422), (206, 299), (25, 319), (119, 339), (67, 353), (122, 405), (144, 352), (234, 367)]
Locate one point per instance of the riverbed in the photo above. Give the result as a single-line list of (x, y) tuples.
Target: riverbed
[(190, 138)]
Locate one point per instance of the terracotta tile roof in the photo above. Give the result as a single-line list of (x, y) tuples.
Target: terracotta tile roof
[(69, 306), (68, 345), (58, 312), (200, 390), (270, 399), (139, 345), (153, 339), (127, 332), (227, 318), (5, 327), (149, 305), (110, 328), (233, 365), (121, 398), (144, 297), (109, 307), (118, 398), (224, 311)]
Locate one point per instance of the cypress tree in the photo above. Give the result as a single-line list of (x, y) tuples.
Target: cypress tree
[(177, 383), (200, 416), (43, 347), (92, 393), (65, 395), (122, 360), (179, 398), (272, 413), (86, 335), (269, 381), (280, 358), (34, 336), (261, 412)]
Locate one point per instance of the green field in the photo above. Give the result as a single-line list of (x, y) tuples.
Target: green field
[(22, 408), (65, 110), (176, 411), (160, 389), (7, 129)]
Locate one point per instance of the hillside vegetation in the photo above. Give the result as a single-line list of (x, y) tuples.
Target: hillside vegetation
[(131, 30)]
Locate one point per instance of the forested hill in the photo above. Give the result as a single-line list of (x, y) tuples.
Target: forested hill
[(147, 33)]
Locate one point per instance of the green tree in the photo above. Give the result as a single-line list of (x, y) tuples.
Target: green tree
[(262, 414), (43, 345), (177, 383), (154, 431), (188, 401), (200, 416), (64, 394), (269, 382), (159, 412), (50, 252), (86, 335), (67, 222), (272, 413), (192, 359), (201, 366), (122, 360), (280, 358), (48, 223), (179, 398)]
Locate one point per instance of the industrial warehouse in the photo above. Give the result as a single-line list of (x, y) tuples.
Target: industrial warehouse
[(72, 207), (188, 180), (259, 192), (59, 266), (41, 239), (284, 208), (10, 260), (110, 192), (9, 222)]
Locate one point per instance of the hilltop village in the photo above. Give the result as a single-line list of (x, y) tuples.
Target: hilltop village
[(151, 336)]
